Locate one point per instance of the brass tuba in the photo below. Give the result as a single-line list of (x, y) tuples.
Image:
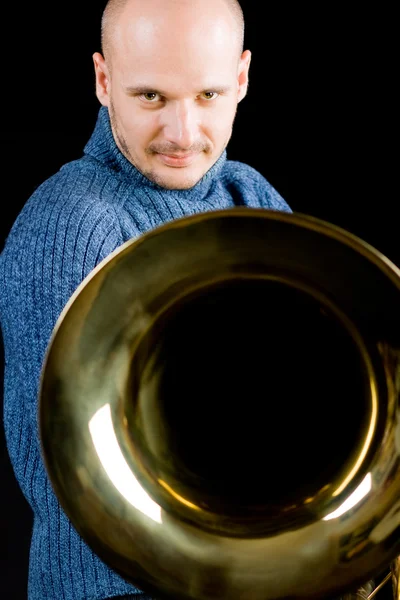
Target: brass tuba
[(219, 409)]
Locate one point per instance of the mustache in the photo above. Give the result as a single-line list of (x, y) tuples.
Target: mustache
[(167, 148)]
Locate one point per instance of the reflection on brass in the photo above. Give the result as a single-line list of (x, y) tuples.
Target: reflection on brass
[(395, 569), (219, 409), (363, 593)]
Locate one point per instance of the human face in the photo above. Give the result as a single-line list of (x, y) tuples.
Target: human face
[(172, 85)]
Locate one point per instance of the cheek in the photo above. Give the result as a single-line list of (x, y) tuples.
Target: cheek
[(137, 125), (220, 122)]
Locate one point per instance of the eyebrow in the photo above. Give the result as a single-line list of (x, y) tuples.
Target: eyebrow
[(141, 89)]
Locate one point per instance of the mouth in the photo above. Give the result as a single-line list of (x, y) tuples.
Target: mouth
[(177, 160)]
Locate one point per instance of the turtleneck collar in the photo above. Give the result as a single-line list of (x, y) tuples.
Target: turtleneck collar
[(103, 148)]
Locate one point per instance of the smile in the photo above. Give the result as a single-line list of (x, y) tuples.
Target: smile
[(181, 160)]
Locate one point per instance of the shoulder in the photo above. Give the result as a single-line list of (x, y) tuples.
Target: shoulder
[(253, 188), (64, 230), (73, 206), (81, 182)]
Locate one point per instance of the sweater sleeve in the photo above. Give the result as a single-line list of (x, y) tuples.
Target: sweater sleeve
[(54, 244), (57, 240)]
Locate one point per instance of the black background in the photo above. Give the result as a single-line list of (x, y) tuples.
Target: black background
[(318, 122)]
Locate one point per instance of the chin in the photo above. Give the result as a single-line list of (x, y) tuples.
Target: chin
[(181, 181)]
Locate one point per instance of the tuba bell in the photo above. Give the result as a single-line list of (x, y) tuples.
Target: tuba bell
[(219, 409)]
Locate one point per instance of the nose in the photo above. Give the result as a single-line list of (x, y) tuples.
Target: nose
[(180, 124)]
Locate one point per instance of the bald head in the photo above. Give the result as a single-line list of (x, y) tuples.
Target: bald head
[(114, 10)]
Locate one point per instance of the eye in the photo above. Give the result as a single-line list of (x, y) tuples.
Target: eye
[(151, 97), (210, 95)]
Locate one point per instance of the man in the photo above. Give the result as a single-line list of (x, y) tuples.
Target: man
[(169, 81)]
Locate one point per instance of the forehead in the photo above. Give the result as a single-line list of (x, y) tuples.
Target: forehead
[(171, 42), (174, 72)]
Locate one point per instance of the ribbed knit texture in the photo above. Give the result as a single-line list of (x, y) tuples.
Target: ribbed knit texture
[(71, 222)]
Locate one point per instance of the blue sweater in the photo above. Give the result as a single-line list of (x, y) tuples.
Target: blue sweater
[(71, 222)]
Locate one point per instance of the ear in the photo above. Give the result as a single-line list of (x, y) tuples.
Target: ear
[(102, 79), (243, 74)]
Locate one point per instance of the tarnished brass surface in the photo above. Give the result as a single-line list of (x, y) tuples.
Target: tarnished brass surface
[(219, 409)]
